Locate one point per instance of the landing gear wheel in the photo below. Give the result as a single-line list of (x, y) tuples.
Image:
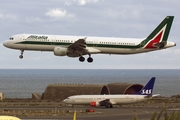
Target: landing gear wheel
[(81, 59), (90, 60), (21, 56), (111, 106)]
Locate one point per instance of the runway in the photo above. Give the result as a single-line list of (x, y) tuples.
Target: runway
[(117, 113), (40, 110)]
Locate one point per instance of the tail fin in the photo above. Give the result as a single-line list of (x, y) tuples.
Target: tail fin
[(159, 37), (148, 88)]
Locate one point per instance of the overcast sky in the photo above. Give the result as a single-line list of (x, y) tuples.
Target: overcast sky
[(106, 18)]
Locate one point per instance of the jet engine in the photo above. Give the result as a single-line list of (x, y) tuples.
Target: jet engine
[(94, 104), (60, 51)]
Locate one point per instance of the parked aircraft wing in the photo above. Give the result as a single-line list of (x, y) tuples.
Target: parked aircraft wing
[(105, 102)]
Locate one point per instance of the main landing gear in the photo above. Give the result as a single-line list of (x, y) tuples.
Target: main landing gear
[(82, 59), (109, 106), (21, 56)]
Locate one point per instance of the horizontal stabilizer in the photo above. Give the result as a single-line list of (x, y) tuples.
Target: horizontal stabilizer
[(160, 44), (156, 95), (151, 96)]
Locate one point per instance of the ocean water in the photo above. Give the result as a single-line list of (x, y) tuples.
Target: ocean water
[(21, 83)]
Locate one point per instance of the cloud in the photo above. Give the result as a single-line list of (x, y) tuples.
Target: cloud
[(174, 51), (8, 16), (33, 19), (67, 3), (1, 15), (83, 2), (125, 12), (58, 13)]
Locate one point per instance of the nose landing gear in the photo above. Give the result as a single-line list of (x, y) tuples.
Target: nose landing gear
[(21, 56)]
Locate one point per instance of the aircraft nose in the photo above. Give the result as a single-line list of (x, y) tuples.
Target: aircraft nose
[(5, 43), (64, 100)]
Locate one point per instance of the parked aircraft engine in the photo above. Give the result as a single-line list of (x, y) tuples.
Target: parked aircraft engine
[(94, 104), (60, 51)]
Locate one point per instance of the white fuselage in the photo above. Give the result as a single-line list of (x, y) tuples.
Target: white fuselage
[(114, 99), (95, 45)]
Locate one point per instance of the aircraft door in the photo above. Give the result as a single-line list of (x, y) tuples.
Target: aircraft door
[(95, 43), (53, 41), (21, 39), (142, 44)]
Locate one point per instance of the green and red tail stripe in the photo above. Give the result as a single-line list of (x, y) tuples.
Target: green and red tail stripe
[(160, 34)]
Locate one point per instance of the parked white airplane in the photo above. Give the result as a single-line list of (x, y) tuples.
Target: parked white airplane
[(109, 100), (77, 46)]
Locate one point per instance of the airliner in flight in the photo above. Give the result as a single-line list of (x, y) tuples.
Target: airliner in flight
[(109, 100), (78, 46)]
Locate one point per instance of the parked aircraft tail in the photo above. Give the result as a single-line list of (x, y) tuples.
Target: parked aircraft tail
[(148, 88)]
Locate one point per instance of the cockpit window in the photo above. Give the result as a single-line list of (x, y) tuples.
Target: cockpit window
[(11, 38)]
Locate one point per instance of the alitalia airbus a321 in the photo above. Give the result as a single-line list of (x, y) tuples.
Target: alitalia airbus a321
[(78, 46)]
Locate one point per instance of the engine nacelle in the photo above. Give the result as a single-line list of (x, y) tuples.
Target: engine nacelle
[(60, 51), (94, 104)]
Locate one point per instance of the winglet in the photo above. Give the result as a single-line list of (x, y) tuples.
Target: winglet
[(148, 88), (85, 38)]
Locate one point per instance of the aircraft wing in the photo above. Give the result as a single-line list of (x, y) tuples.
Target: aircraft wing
[(105, 102), (79, 45)]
